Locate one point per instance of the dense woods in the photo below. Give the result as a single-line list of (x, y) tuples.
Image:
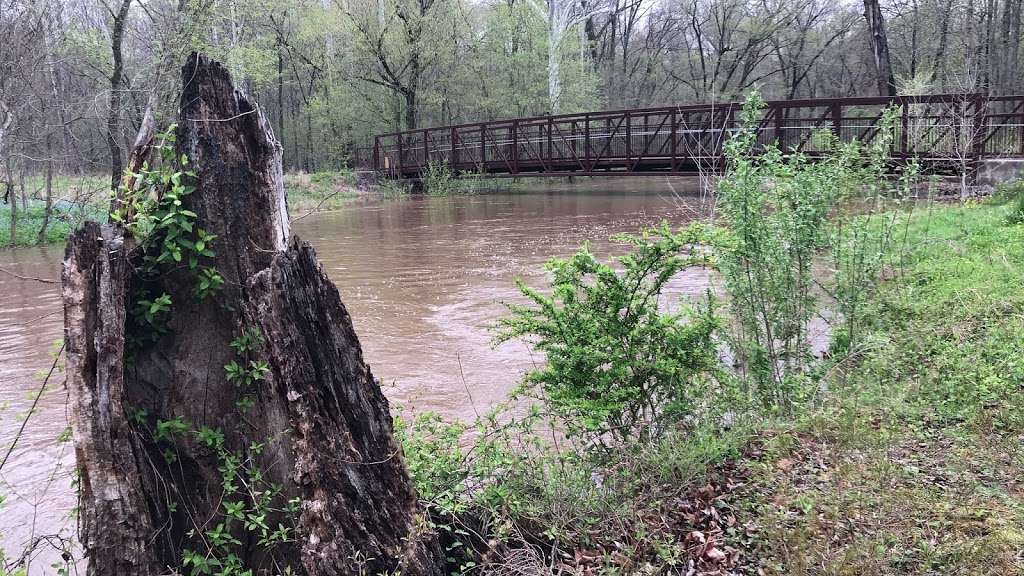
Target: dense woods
[(76, 78)]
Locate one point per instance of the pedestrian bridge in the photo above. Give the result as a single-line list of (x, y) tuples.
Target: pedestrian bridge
[(944, 132)]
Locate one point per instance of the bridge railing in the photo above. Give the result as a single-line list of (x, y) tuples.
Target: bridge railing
[(945, 130)]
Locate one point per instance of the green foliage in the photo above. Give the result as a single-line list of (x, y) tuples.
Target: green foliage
[(250, 339), (865, 240), (438, 180), (1013, 194), (434, 458), (153, 311), (63, 220), (253, 509), (248, 503), (168, 430), (147, 319), (246, 375), (619, 366), (154, 213), (776, 207)]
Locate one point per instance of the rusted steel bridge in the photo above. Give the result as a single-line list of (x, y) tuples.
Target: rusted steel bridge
[(944, 132)]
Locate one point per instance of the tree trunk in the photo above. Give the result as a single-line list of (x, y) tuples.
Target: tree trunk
[(410, 108), (48, 208), (939, 61), (555, 31), (12, 200), (116, 79), (314, 430), (880, 48)]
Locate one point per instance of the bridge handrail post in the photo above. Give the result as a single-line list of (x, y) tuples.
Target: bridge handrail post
[(1020, 128), (515, 146), (376, 154), (453, 154), (779, 117), (483, 147), (586, 142), (401, 142), (426, 148), (980, 102), (675, 138), (629, 139), (837, 120), (905, 128), (551, 154)]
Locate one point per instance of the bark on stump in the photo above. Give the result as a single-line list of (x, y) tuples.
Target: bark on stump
[(319, 411)]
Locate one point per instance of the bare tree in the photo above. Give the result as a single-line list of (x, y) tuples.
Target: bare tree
[(559, 17), (880, 48), (118, 21)]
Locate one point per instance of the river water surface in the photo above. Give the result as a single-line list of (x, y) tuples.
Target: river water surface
[(423, 279)]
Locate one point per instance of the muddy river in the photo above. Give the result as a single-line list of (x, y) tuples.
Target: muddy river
[(423, 278)]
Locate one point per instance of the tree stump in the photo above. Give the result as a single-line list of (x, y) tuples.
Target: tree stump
[(177, 462)]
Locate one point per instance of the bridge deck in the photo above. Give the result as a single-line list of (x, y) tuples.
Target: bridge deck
[(945, 132)]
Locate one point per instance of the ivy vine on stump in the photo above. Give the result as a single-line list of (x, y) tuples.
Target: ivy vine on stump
[(224, 419)]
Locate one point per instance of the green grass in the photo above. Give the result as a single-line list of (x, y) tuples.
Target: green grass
[(319, 191), (63, 221), (909, 463), (75, 198), (913, 464)]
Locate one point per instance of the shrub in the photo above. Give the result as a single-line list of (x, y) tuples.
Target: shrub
[(777, 207), (618, 367), (438, 180)]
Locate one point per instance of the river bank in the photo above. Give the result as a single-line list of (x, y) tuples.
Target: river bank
[(79, 198), (422, 277), (909, 463), (855, 480)]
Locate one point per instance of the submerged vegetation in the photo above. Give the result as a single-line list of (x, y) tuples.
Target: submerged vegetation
[(439, 180)]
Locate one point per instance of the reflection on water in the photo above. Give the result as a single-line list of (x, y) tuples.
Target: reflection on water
[(423, 279)]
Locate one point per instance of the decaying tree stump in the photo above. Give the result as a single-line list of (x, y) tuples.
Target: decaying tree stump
[(313, 430)]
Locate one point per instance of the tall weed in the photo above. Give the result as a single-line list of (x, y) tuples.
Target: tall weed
[(777, 207)]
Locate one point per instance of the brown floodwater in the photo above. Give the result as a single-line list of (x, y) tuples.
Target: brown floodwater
[(423, 278)]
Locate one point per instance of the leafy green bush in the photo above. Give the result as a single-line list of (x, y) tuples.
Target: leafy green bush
[(618, 366), (776, 209)]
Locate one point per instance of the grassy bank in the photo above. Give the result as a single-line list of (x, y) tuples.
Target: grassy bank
[(74, 199), (319, 191), (713, 438), (914, 465), (64, 218), (908, 461), (77, 198)]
